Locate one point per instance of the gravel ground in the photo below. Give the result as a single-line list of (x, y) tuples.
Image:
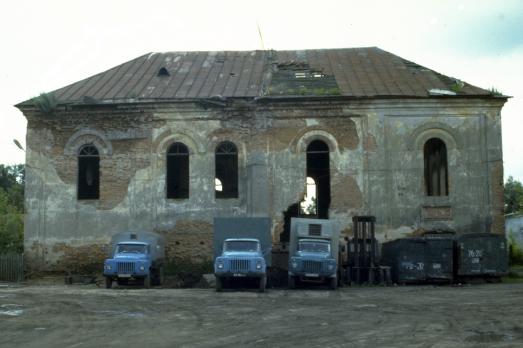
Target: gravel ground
[(489, 315)]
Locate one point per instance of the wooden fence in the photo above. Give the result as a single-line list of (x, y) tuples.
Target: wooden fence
[(12, 267)]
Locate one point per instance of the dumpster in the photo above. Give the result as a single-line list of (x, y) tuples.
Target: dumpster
[(439, 258), (406, 258), (481, 255)]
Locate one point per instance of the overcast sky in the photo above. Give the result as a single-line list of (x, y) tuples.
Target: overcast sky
[(49, 44)]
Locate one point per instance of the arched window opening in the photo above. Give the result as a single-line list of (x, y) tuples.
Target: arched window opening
[(226, 170), (436, 170), (318, 169), (177, 171), (88, 173), (318, 192)]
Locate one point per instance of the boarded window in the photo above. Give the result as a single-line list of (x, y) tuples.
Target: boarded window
[(436, 173), (88, 173), (177, 171), (226, 170)]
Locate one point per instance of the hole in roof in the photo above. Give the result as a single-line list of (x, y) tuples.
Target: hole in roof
[(163, 72)]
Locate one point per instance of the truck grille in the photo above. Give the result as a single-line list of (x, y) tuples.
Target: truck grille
[(125, 267), (239, 265), (311, 266)]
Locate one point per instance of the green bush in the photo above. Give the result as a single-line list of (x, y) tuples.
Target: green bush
[(11, 225), (515, 252)]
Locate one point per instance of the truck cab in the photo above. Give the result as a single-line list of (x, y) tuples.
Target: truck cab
[(242, 249), (240, 258), (134, 259), (313, 253)]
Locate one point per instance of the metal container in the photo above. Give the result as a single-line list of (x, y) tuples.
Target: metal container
[(407, 259), (439, 265), (481, 254)]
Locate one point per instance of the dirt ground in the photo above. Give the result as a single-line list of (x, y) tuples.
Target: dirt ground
[(489, 315)]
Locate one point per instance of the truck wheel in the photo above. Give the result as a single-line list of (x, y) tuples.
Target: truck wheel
[(219, 284), (108, 282), (292, 282), (147, 282), (263, 284), (333, 283)]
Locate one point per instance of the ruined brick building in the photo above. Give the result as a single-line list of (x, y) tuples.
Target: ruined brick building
[(168, 141)]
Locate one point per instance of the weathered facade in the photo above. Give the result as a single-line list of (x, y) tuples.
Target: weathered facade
[(414, 148)]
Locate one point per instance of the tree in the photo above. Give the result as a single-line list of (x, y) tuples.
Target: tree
[(513, 193), (12, 179)]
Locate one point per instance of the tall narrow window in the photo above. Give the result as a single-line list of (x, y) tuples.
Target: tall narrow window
[(226, 170), (318, 173), (88, 173), (177, 171), (436, 172)]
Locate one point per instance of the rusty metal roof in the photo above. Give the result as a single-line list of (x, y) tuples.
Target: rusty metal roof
[(355, 72)]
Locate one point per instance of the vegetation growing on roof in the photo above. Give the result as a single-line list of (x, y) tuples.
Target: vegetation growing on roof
[(45, 102), (457, 86), (495, 91)]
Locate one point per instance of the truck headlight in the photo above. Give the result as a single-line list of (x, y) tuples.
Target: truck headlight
[(330, 267), (294, 263), (142, 268), (258, 265), (220, 265), (108, 267)]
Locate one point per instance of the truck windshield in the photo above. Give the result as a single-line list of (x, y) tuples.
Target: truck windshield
[(131, 248), (313, 246), (241, 245)]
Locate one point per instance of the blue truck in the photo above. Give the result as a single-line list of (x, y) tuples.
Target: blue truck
[(135, 256), (242, 249), (313, 252)]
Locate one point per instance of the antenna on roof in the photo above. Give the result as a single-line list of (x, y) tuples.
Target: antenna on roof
[(261, 36)]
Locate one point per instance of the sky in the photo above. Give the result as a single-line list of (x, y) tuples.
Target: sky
[(47, 44)]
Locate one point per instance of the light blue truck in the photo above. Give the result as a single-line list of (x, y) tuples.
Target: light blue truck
[(242, 249), (135, 256), (313, 252)]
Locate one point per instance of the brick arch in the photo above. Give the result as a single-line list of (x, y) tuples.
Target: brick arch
[(306, 136), (88, 136), (423, 133), (169, 136)]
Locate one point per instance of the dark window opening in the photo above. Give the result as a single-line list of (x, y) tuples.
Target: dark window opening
[(226, 170), (318, 170), (163, 72), (88, 173), (177, 171), (436, 171)]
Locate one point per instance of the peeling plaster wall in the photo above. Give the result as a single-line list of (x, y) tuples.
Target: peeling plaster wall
[(376, 164)]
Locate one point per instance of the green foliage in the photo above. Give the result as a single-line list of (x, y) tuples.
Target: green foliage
[(179, 266), (515, 252), (513, 195), (457, 86), (495, 91), (11, 225), (12, 180), (46, 102)]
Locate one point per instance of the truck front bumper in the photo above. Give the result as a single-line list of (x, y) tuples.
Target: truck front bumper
[(240, 274), (304, 275)]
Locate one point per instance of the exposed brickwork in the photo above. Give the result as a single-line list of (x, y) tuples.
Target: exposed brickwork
[(189, 240)]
